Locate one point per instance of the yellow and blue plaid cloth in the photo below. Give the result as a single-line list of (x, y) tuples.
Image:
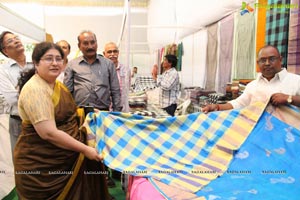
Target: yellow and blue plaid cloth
[(184, 151)]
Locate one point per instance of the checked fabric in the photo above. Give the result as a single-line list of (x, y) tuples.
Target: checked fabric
[(185, 151), (277, 28), (144, 83)]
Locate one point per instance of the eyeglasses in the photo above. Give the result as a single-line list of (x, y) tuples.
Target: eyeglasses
[(11, 40), (112, 51), (50, 60), (271, 59)]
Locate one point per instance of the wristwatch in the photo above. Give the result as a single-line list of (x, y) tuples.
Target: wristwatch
[(289, 99)]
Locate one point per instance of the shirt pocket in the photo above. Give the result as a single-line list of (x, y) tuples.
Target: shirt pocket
[(83, 76)]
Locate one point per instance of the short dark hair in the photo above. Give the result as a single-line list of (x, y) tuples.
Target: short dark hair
[(171, 59), (3, 34), (268, 45), (85, 31)]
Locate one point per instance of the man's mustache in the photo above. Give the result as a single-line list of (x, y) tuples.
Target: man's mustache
[(90, 50)]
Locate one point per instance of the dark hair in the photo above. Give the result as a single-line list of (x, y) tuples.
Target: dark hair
[(41, 48), (268, 45), (38, 52), (171, 59), (24, 77), (3, 34), (85, 31)]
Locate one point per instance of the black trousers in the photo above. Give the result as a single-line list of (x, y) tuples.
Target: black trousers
[(171, 109)]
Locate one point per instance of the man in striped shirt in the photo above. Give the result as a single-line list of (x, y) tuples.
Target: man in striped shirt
[(169, 84)]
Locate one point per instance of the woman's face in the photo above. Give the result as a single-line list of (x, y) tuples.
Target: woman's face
[(50, 65)]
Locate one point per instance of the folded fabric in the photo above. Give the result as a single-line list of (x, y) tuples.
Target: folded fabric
[(186, 151)]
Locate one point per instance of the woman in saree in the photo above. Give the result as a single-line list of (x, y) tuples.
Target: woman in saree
[(51, 158)]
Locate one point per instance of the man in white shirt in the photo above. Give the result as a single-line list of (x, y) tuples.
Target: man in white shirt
[(274, 83), (12, 47)]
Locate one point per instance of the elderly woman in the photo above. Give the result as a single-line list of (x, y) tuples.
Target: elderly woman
[(51, 160)]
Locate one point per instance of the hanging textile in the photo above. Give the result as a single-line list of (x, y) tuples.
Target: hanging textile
[(174, 150), (277, 27), (293, 60), (261, 26), (179, 56), (244, 47), (212, 56), (225, 55), (199, 58)]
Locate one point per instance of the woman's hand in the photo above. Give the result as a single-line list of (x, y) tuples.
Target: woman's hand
[(92, 154)]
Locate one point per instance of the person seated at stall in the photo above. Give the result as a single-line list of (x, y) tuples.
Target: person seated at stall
[(273, 83), (51, 158)]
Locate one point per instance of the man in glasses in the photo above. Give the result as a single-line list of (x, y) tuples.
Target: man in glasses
[(273, 82), (12, 47), (111, 52), (91, 78)]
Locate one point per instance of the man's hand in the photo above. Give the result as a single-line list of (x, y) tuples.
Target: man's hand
[(210, 107), (279, 99)]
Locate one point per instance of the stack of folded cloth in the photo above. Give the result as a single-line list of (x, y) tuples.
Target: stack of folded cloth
[(145, 113), (218, 98), (144, 83), (197, 92), (137, 101)]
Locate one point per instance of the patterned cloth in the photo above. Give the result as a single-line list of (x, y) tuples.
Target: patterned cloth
[(293, 61), (265, 167), (169, 86), (277, 28), (143, 83), (187, 151), (225, 57), (244, 45)]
